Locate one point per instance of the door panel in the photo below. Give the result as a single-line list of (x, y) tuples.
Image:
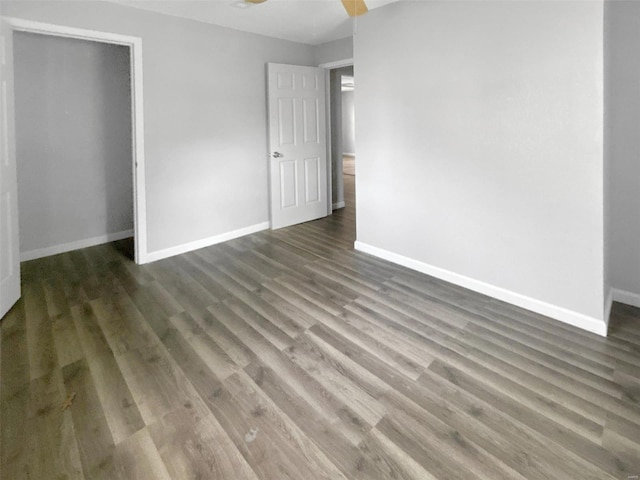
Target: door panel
[(285, 80), (312, 179), (288, 181), (309, 81), (9, 246), (298, 163), (286, 121), (310, 118)]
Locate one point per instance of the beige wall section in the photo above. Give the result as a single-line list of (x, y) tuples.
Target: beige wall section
[(73, 129), (622, 153), (486, 162), (205, 115)]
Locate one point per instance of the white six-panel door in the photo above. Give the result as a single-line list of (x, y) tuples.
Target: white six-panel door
[(298, 157), (9, 245)]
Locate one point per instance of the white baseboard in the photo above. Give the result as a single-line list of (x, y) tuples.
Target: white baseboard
[(68, 247), (338, 205), (585, 322), (628, 298), (346, 154), (205, 242)]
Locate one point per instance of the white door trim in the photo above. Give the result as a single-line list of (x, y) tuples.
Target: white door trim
[(137, 112), (347, 62)]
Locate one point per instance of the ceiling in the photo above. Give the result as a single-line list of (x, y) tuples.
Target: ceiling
[(305, 21)]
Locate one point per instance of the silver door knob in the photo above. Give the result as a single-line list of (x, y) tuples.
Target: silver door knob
[(277, 155)]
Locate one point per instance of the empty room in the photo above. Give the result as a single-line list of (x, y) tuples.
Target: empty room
[(320, 239)]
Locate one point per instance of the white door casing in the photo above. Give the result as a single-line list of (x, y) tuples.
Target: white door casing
[(9, 241), (297, 144), (10, 25)]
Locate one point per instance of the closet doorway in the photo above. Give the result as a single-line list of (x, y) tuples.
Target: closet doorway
[(10, 261)]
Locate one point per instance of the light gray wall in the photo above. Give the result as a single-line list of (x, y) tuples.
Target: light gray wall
[(205, 115), (622, 153), (487, 160), (73, 129), (334, 51), (348, 123), (606, 172)]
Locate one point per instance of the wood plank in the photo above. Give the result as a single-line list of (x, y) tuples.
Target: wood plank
[(67, 345), (95, 442), (269, 358), (122, 324), (494, 329), (41, 347), (53, 451), (137, 458), (14, 460), (14, 394), (226, 406), (530, 417), (15, 374), (232, 346), (118, 405), (441, 449), (513, 444), (157, 384), (269, 330), (582, 416), (204, 346), (287, 354), (197, 448), (365, 350), (272, 444), (384, 459), (351, 386), (339, 446)]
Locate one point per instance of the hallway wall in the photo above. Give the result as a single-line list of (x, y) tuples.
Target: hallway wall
[(348, 123), (337, 190), (622, 147)]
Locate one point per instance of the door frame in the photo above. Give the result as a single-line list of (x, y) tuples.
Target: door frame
[(327, 82), (303, 210), (137, 111)]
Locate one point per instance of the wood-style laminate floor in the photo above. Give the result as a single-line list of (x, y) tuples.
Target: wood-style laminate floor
[(349, 164), (287, 355)]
